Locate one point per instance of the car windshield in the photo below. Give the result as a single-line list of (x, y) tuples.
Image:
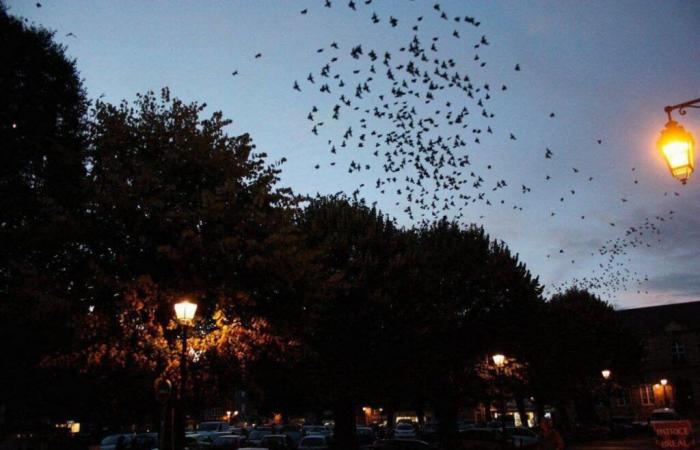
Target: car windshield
[(404, 427), (313, 442), (664, 416), (109, 440)]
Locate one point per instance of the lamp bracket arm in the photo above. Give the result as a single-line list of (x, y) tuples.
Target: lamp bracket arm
[(681, 107)]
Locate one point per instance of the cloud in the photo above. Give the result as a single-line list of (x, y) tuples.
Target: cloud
[(677, 284)]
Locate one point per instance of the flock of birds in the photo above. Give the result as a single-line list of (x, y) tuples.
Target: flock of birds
[(419, 115), (413, 117)]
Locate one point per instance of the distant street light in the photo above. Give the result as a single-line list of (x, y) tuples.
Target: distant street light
[(664, 382), (677, 145), (499, 361), (184, 313), (605, 373)]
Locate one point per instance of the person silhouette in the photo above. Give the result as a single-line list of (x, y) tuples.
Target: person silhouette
[(549, 437)]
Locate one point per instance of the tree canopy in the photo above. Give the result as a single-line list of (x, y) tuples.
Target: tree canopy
[(41, 193)]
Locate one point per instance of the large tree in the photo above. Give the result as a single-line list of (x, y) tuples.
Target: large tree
[(340, 315), (176, 207), (578, 336), (472, 297), (41, 194)]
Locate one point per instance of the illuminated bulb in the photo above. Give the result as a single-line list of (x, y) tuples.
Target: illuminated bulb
[(677, 147), (184, 312)]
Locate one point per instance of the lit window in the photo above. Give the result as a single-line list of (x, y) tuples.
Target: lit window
[(646, 394), (678, 352)]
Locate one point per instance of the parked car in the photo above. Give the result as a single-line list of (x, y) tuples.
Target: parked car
[(663, 415), (238, 430), (404, 431), (192, 444), (483, 439), (522, 437), (622, 426), (204, 440), (294, 432), (310, 430), (313, 442), (227, 442), (400, 444), (144, 441), (110, 442), (256, 435), (277, 442), (207, 427)]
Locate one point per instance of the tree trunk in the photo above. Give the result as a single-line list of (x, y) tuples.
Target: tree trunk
[(446, 415), (344, 434), (487, 411), (390, 421), (420, 411)]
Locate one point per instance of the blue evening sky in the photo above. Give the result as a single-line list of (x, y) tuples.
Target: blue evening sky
[(605, 68)]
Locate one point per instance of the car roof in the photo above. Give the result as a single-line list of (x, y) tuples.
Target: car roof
[(664, 410)]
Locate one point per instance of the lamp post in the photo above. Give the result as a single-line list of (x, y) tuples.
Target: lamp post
[(606, 373), (184, 313), (499, 360), (676, 144), (664, 382)]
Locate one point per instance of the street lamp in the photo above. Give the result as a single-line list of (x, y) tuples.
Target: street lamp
[(677, 145), (499, 360), (606, 377), (664, 382), (184, 313)]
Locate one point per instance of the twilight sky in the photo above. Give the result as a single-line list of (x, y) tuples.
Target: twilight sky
[(606, 69)]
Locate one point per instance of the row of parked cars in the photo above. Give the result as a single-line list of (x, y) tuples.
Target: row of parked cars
[(404, 436)]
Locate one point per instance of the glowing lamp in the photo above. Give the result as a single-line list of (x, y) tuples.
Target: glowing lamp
[(605, 373), (664, 382), (677, 146), (499, 360), (184, 312)]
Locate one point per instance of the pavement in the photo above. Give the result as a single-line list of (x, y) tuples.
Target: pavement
[(634, 443)]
